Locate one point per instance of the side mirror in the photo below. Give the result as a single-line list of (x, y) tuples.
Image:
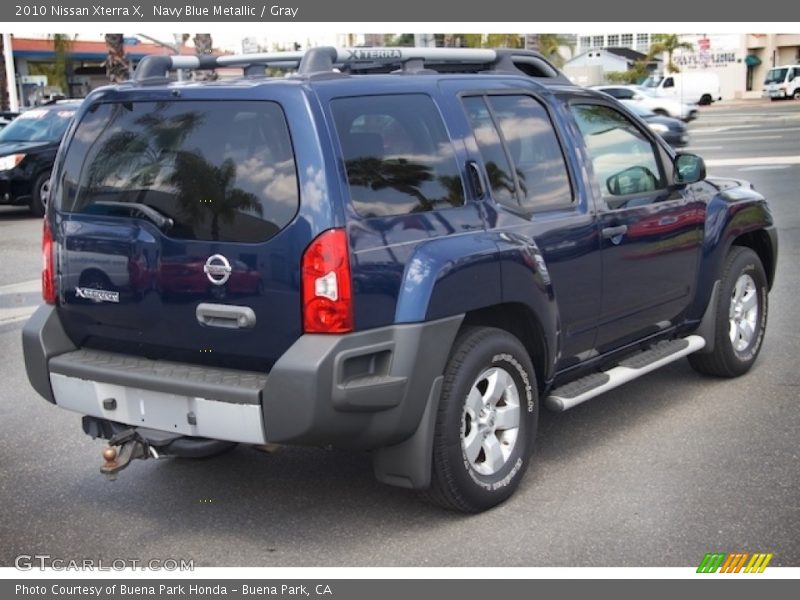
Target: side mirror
[(689, 168)]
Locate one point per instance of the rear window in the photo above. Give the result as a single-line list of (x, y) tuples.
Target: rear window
[(398, 156), (204, 170)]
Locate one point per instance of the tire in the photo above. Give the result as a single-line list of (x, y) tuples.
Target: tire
[(796, 94), (661, 112), (705, 100), (741, 318), (482, 445), (40, 195)]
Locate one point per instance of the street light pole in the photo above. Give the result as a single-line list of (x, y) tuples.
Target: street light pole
[(11, 76)]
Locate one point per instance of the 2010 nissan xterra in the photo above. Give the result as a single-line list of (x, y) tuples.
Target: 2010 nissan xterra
[(402, 250)]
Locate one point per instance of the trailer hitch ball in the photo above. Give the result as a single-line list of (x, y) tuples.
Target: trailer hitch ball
[(131, 446)]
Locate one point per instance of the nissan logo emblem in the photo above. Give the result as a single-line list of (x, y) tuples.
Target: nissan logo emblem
[(217, 269)]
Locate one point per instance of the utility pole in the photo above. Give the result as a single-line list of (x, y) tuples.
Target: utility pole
[(11, 75)]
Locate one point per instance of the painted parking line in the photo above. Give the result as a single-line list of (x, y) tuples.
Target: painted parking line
[(18, 301)]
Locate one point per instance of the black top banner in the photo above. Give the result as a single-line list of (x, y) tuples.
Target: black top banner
[(419, 11)]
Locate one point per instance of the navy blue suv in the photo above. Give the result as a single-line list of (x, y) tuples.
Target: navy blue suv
[(406, 250)]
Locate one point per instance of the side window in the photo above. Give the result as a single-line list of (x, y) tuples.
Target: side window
[(622, 93), (398, 156), (623, 158), (669, 82), (530, 143), (498, 169)]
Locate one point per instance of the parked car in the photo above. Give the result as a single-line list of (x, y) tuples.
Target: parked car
[(6, 117), (28, 148), (666, 107), (517, 241), (673, 131)]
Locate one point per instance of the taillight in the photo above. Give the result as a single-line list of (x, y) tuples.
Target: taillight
[(327, 298), (48, 268)]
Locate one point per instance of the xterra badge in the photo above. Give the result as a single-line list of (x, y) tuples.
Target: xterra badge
[(97, 295)]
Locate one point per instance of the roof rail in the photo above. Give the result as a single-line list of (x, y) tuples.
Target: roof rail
[(327, 60)]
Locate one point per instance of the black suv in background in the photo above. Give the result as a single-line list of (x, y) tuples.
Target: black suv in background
[(28, 147)]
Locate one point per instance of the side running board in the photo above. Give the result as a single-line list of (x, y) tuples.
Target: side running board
[(586, 388)]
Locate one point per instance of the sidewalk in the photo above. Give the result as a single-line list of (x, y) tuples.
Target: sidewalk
[(749, 103)]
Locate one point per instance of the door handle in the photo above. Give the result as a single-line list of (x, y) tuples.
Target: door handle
[(475, 179), (225, 315), (610, 233)]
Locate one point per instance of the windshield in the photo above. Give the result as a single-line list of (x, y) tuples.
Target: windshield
[(38, 125), (652, 81), (776, 75)]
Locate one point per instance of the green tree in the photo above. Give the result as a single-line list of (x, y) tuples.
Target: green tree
[(636, 74), (57, 72), (668, 43), (550, 44)]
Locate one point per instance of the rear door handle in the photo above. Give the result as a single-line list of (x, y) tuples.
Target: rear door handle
[(612, 232), (475, 179), (225, 315)]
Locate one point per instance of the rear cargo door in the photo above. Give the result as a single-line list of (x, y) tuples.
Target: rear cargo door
[(176, 232)]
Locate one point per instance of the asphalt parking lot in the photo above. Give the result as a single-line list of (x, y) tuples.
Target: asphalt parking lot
[(657, 473)]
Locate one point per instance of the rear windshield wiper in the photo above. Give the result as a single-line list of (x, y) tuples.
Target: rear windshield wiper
[(162, 221)]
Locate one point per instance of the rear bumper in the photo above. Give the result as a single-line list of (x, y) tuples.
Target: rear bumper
[(366, 389), (15, 186)]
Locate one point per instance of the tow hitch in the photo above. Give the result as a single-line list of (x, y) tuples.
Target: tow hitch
[(131, 446)]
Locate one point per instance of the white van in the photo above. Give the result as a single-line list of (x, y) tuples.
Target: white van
[(782, 82), (691, 88)]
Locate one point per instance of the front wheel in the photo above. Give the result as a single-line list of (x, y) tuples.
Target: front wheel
[(486, 422), (40, 195), (741, 317)]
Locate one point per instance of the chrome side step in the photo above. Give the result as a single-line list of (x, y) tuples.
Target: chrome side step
[(586, 388)]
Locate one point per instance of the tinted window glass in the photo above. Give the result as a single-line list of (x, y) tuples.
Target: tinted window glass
[(498, 169), (220, 171), (623, 158), (398, 156), (534, 148)]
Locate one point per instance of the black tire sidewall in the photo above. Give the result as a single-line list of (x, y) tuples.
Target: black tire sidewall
[(37, 206), (742, 262), (500, 349)]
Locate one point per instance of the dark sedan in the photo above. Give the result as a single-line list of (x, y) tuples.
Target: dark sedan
[(672, 130), (28, 147)]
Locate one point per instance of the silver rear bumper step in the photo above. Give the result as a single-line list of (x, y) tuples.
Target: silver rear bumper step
[(586, 388)]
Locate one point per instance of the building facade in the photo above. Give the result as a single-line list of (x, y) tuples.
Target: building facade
[(740, 59)]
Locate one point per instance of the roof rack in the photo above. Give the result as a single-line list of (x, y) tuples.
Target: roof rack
[(325, 61)]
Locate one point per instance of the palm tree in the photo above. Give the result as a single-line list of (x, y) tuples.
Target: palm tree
[(205, 190), (203, 44), (549, 46), (117, 67), (669, 43)]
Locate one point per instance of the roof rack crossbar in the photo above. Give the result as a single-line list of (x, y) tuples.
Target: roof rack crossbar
[(327, 59)]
